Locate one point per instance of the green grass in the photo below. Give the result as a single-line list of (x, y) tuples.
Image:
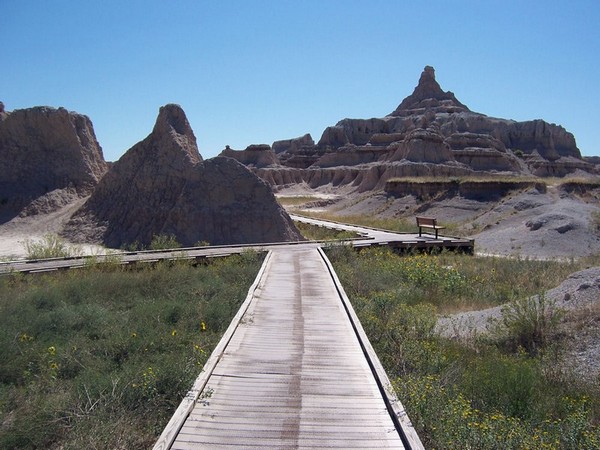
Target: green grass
[(296, 200), (50, 246), (482, 393), (587, 182), (453, 282), (100, 357), (316, 233), (398, 225)]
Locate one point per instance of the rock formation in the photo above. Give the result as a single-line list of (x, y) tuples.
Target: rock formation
[(430, 126), (162, 186), (3, 114), (252, 156), (428, 95), (298, 152), (44, 150)]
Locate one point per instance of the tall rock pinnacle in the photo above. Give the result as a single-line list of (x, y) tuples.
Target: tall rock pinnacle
[(172, 135), (429, 94), (161, 185)]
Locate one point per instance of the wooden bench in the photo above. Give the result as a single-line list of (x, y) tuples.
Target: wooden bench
[(428, 222)]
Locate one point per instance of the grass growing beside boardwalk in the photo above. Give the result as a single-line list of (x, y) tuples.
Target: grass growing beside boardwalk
[(296, 200), (100, 357), (480, 394), (316, 233), (397, 225)]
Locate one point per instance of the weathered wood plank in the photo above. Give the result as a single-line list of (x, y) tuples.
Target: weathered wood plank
[(294, 374), (395, 407)]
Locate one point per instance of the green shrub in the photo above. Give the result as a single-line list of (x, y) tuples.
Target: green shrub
[(50, 246), (164, 242), (529, 323)]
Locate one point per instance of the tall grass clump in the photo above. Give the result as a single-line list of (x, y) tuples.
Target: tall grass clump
[(49, 246), (529, 323), (101, 357), (449, 281), (506, 392), (164, 242)]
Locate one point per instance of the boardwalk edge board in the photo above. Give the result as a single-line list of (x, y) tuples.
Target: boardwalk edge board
[(170, 432), (397, 411)]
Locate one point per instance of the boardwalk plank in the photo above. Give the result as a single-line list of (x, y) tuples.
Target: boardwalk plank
[(294, 373)]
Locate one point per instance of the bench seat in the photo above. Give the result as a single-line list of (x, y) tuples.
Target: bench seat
[(428, 222)]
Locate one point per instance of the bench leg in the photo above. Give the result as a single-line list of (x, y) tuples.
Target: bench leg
[(419, 231)]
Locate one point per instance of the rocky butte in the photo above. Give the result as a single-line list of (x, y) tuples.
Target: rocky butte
[(163, 186), (431, 133), (49, 157)]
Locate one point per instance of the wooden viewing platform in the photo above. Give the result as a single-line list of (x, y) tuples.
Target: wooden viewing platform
[(293, 370)]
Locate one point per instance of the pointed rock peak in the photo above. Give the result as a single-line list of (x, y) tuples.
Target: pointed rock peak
[(171, 117), (3, 114), (428, 76), (428, 95), (173, 131)]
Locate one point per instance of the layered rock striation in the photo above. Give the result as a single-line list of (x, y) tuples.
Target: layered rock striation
[(430, 127), (253, 155), (162, 186), (43, 151)]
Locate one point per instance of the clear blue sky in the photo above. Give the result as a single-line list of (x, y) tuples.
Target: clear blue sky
[(251, 71)]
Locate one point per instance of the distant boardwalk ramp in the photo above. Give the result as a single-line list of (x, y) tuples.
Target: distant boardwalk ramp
[(293, 370)]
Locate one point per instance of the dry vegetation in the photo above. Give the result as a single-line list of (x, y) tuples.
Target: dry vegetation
[(506, 391), (590, 182)]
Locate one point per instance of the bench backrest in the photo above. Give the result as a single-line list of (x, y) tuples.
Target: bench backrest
[(426, 221)]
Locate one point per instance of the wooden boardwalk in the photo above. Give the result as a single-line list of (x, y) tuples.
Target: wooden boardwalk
[(294, 370), (369, 237), (398, 241)]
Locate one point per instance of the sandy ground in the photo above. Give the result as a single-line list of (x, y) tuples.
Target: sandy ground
[(15, 233)]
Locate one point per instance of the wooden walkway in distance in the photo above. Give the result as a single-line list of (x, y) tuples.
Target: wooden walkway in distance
[(369, 237), (395, 240), (294, 370)]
